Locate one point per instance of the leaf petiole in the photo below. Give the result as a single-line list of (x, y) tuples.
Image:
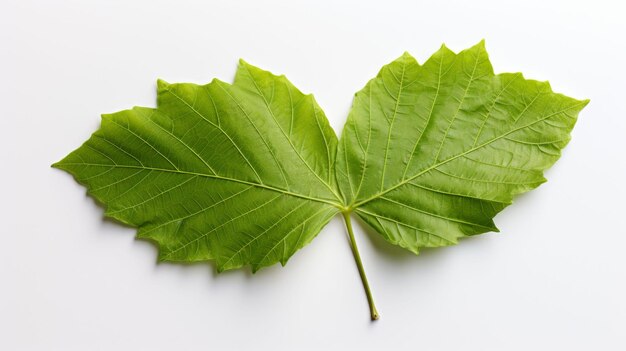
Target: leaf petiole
[(359, 264)]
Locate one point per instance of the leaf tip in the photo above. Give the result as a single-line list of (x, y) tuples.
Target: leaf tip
[(407, 58), (547, 84), (142, 233), (161, 84), (414, 249), (479, 48), (60, 164), (584, 102), (163, 255), (444, 50)]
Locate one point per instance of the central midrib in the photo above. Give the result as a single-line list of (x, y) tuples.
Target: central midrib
[(262, 186)]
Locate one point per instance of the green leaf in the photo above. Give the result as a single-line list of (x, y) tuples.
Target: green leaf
[(248, 173), (431, 153), (241, 174)]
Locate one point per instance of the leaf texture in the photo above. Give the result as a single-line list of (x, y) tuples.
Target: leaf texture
[(248, 173), (431, 153), (241, 174)]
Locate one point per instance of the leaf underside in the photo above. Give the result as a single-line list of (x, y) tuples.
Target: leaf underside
[(248, 173)]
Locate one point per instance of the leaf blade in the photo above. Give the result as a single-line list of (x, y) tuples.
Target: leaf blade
[(209, 175), (465, 134)]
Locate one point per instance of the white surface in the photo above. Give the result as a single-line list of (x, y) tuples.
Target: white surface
[(554, 279)]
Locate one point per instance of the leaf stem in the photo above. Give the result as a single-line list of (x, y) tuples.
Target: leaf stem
[(359, 264)]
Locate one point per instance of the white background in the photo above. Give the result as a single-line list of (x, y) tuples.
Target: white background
[(554, 279)]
